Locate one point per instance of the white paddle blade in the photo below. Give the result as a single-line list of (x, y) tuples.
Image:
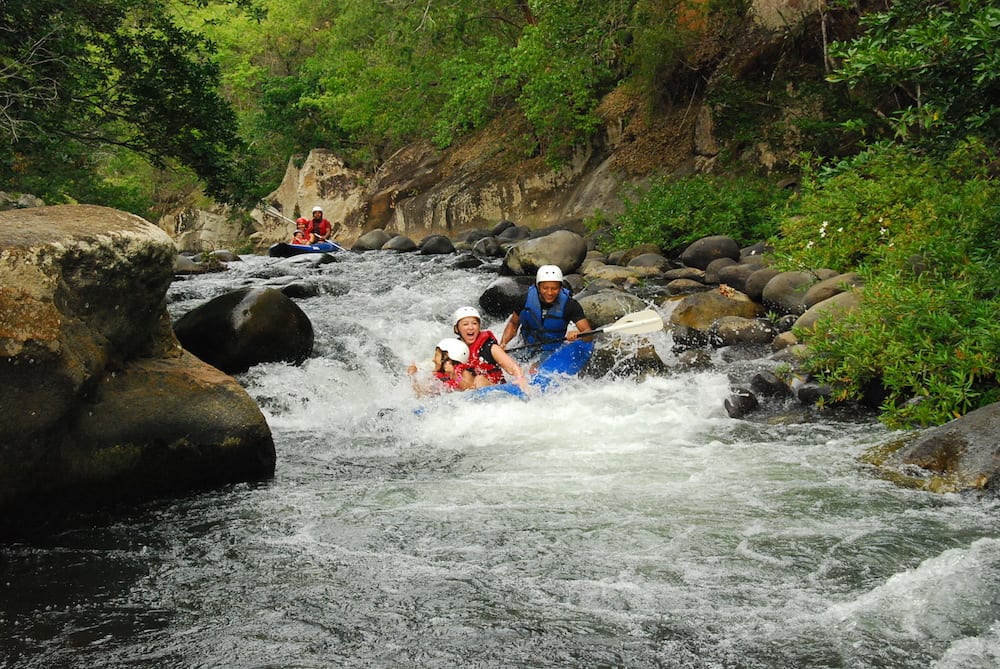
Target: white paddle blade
[(640, 322)]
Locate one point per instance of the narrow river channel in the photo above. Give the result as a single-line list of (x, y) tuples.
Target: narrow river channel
[(618, 522)]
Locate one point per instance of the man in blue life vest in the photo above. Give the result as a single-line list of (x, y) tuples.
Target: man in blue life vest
[(546, 313)]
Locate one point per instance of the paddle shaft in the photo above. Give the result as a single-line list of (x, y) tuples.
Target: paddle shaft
[(274, 212)]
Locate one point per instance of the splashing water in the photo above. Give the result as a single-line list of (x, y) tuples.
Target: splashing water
[(614, 522)]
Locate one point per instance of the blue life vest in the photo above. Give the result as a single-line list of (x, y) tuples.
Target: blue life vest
[(552, 328)]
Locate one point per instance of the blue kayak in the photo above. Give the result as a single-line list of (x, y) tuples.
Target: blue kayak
[(567, 360), (286, 250)]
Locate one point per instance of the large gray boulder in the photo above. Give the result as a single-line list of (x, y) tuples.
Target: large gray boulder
[(785, 292), (563, 248), (87, 358), (607, 306), (736, 275), (757, 281), (504, 294), (702, 252), (739, 331), (595, 270), (400, 244), (372, 241), (827, 288), (837, 306), (164, 423), (436, 245), (700, 310)]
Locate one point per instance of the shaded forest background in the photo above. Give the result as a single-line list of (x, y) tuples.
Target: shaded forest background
[(884, 112)]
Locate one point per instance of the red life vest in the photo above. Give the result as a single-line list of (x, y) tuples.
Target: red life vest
[(320, 228), (490, 370), (451, 382)]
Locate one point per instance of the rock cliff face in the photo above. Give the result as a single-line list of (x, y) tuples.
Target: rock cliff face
[(88, 361), (422, 191)]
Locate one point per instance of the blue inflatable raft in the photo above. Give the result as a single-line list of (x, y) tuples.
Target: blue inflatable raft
[(286, 250), (567, 360)]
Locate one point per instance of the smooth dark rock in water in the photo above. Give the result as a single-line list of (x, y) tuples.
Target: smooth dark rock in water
[(501, 296), (811, 393), (238, 330), (301, 290), (467, 261), (767, 384), (961, 455), (400, 244), (740, 403), (436, 245)]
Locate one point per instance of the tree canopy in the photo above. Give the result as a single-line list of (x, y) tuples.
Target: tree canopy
[(930, 68), (92, 90), (363, 78), (82, 78)]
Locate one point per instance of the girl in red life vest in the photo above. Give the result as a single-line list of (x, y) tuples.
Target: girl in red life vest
[(451, 371), (302, 234), (485, 355)]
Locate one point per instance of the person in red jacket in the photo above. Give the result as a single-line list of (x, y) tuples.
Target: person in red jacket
[(321, 228), (302, 234)]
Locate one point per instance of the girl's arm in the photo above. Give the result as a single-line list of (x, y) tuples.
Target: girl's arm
[(509, 365)]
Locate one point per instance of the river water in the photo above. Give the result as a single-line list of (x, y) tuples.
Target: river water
[(618, 522)]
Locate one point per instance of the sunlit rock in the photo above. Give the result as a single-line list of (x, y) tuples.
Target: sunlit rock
[(563, 248), (86, 353)]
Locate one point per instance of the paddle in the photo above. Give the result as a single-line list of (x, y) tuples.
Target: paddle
[(639, 322), (274, 212)]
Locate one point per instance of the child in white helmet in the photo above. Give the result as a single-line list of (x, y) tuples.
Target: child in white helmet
[(451, 370)]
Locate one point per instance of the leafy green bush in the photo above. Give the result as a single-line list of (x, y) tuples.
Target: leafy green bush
[(674, 213), (930, 342), (922, 233), (931, 69)]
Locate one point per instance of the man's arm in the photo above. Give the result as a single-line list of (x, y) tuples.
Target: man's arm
[(575, 313), (510, 330)]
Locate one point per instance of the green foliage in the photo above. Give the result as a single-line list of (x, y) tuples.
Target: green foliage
[(364, 78), (555, 69), (787, 107), (923, 233), (931, 68), (931, 343), (475, 92), (83, 80), (882, 202), (674, 213)]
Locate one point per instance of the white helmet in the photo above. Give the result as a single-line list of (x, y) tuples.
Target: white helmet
[(549, 273), (317, 208), (465, 312), (457, 350)]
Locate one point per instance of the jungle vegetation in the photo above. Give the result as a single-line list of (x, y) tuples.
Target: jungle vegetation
[(138, 103)]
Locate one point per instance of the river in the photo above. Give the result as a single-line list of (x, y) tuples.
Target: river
[(618, 522)]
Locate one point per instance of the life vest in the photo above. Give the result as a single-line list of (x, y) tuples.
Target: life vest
[(551, 328), (452, 382), (320, 228), (492, 371)]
